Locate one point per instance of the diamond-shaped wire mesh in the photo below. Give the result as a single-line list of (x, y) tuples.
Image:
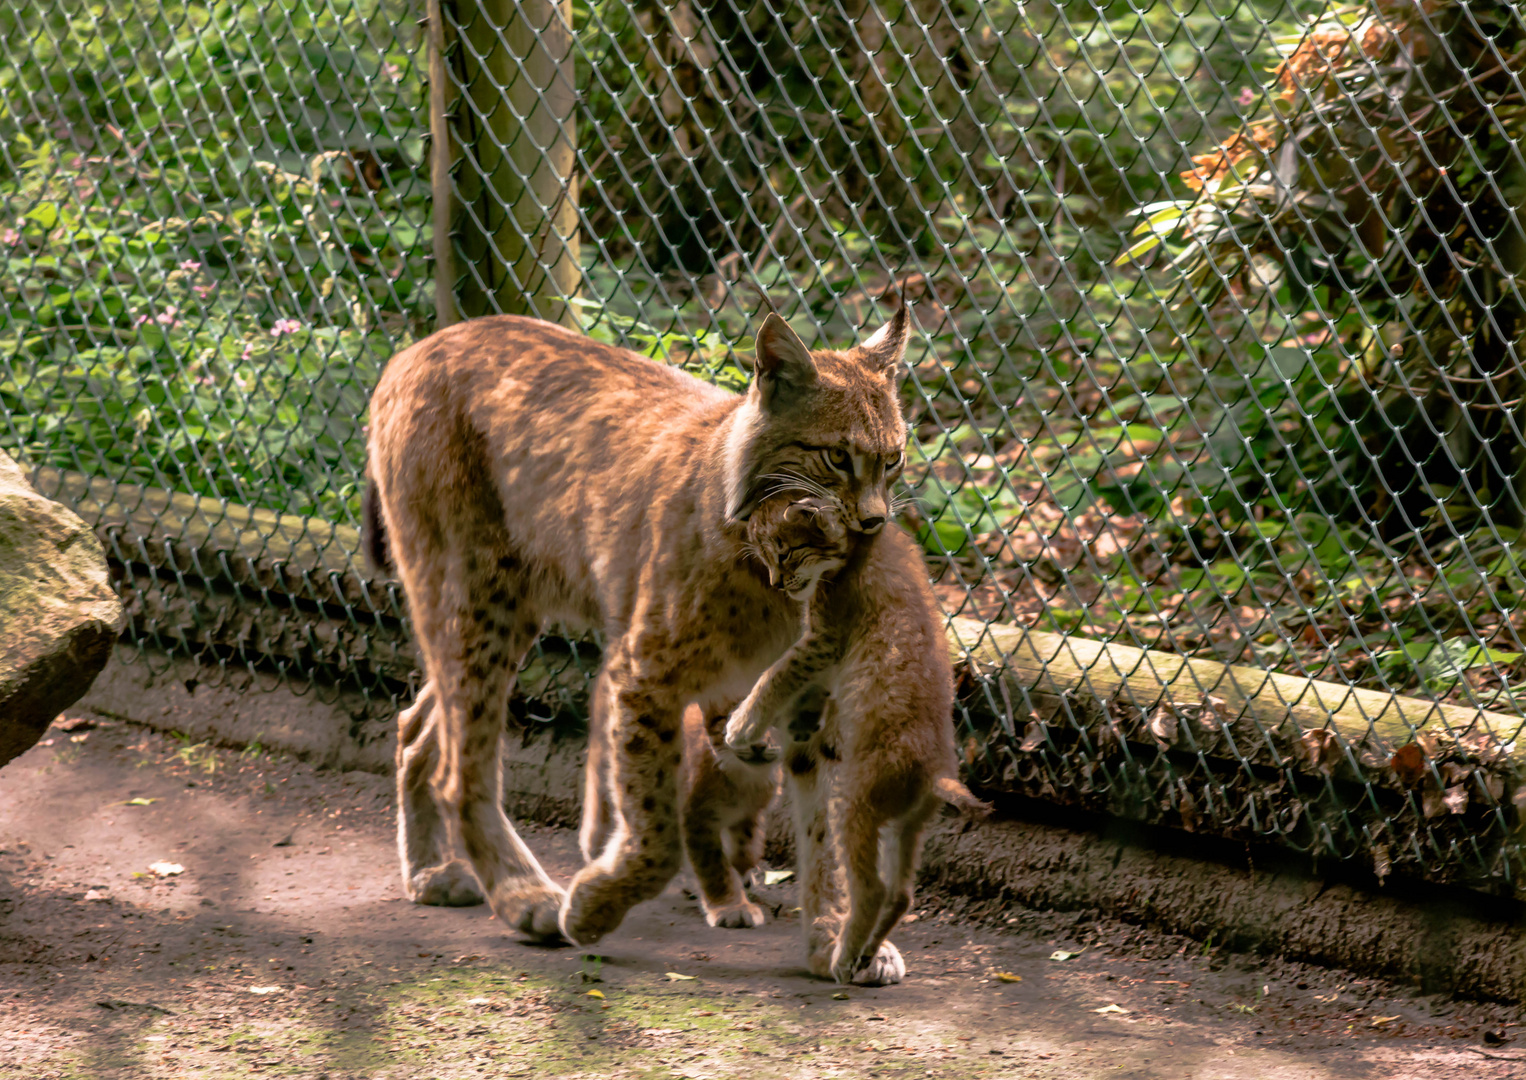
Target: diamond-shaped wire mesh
[(1218, 312)]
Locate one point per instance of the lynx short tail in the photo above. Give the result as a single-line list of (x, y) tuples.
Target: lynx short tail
[(957, 795), (373, 530)]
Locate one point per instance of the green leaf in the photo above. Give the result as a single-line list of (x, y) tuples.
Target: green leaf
[(1145, 246), (45, 214)]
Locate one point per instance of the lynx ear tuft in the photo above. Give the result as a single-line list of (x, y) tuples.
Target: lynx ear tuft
[(886, 347), (782, 360)]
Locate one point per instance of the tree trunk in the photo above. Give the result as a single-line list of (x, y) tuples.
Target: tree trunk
[(501, 100)]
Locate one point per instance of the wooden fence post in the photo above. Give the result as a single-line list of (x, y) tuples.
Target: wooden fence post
[(503, 158)]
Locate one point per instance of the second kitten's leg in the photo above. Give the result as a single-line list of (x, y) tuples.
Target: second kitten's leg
[(722, 806), (598, 805)]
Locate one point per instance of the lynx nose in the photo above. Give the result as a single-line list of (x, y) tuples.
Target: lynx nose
[(871, 524)]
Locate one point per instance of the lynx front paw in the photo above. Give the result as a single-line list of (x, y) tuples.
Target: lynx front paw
[(742, 915), (586, 916), (531, 909), (885, 969), (450, 885)]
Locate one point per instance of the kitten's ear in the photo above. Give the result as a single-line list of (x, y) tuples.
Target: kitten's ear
[(782, 362), (886, 347)]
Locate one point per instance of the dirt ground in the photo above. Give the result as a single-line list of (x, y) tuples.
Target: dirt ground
[(276, 943)]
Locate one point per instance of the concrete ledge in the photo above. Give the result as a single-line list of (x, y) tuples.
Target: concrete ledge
[(334, 728), (1444, 939)]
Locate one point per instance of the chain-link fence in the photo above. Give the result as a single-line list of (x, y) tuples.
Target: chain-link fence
[(1218, 313)]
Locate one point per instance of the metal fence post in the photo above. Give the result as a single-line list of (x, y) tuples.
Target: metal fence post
[(501, 102)]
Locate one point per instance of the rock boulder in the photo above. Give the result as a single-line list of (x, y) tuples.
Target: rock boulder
[(58, 614)]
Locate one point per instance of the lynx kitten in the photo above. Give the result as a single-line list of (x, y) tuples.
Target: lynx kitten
[(867, 690)]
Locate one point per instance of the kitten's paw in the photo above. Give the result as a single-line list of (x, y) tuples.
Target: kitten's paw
[(450, 885), (885, 969), (742, 915), (758, 754), (532, 909), (742, 734)]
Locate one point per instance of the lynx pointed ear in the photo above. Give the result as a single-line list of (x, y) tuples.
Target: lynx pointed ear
[(782, 360), (886, 347)]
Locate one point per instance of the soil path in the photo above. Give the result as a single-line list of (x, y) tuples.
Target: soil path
[(282, 947)]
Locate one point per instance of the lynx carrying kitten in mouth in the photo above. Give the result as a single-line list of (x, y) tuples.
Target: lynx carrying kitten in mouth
[(523, 476), (864, 703)]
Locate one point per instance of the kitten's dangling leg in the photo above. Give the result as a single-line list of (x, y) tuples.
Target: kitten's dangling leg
[(900, 852), (856, 836)]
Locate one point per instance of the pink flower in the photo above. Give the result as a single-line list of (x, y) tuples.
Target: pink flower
[(1247, 95), (392, 71), (246, 356), (167, 317), (140, 320), (10, 238), (285, 326), (190, 265), (203, 291)]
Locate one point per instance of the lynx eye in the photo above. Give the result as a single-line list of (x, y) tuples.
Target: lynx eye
[(840, 459)]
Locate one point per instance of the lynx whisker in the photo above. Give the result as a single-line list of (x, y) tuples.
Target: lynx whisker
[(788, 481)]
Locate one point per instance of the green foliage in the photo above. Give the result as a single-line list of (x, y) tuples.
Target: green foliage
[(1245, 428), (212, 239)]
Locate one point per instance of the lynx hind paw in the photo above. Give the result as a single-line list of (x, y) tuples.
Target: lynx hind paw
[(450, 885), (534, 911), (742, 915), (885, 969)]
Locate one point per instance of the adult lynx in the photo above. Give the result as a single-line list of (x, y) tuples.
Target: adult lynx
[(526, 475)]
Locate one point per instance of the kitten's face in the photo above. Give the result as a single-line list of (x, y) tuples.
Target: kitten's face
[(799, 542)]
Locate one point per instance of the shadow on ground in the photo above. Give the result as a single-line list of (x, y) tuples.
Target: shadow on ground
[(282, 947)]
